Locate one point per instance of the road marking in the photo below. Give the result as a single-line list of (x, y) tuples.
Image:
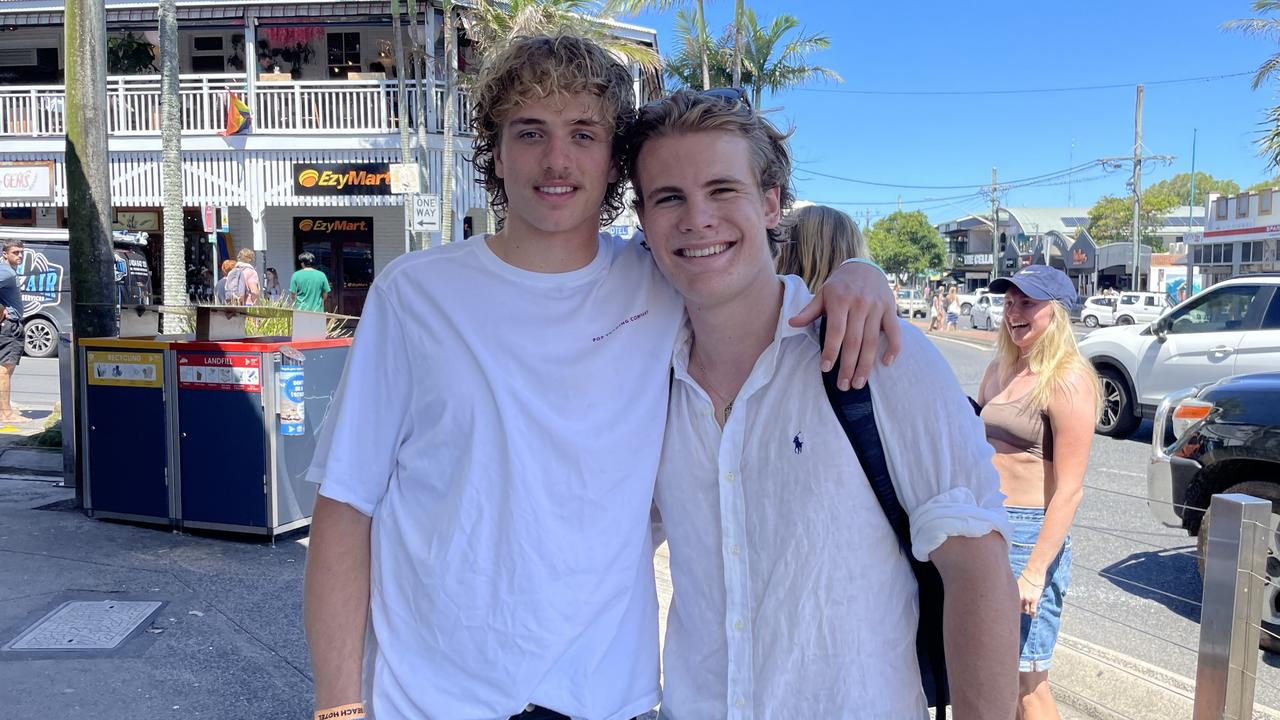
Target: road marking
[(1123, 472), (975, 346)]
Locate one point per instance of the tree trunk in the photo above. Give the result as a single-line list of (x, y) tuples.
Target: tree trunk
[(450, 102), (174, 273), (402, 113), (93, 280), (737, 44), (702, 45)]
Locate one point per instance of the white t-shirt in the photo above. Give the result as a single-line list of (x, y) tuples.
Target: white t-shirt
[(502, 427), (792, 598)]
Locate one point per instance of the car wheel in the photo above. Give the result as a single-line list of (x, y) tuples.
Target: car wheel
[(1091, 321), (1271, 590), (40, 338), (966, 308), (1117, 419), (1124, 320)]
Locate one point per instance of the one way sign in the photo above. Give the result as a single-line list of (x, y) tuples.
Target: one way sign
[(426, 213)]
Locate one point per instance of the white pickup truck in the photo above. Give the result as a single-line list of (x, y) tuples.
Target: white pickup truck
[(968, 300)]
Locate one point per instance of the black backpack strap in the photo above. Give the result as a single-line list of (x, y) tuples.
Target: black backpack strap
[(856, 413)]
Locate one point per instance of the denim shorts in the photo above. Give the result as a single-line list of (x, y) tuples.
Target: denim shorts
[(1039, 634)]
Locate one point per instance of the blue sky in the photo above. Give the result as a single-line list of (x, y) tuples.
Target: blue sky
[(1006, 45)]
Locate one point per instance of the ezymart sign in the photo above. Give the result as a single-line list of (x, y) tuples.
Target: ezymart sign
[(26, 181)]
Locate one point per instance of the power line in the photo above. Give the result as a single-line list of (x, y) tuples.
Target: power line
[(874, 183), (1026, 91)]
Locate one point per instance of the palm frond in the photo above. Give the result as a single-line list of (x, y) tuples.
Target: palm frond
[(1266, 70)]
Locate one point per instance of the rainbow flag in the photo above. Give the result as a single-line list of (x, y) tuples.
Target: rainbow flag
[(238, 118)]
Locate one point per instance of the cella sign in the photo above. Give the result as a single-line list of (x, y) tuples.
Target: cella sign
[(26, 181)]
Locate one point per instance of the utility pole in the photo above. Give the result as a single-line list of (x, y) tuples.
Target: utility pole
[(997, 254), (1191, 215), (93, 280), (402, 113), (1134, 283)]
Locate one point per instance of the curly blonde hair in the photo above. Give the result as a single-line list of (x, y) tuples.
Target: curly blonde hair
[(541, 67), (687, 111)]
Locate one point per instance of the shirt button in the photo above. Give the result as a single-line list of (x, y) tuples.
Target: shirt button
[(735, 550), (740, 702), (739, 625), (728, 477)]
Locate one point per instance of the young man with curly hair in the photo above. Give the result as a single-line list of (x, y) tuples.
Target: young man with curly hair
[(792, 598), (487, 466)]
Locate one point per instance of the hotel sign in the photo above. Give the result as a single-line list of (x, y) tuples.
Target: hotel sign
[(329, 179), (26, 181)]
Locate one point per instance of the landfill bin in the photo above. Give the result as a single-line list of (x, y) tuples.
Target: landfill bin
[(247, 417), (125, 383)]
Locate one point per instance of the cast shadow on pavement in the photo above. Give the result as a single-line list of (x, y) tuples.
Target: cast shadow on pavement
[(1169, 577)]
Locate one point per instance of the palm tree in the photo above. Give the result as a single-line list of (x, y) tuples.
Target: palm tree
[(174, 283), (402, 110), (635, 7), (737, 42), (776, 63), (684, 66), (1269, 28)]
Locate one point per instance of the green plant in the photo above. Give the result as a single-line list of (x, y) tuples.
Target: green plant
[(267, 319), (130, 54)]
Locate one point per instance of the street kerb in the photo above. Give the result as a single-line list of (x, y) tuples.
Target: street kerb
[(1108, 685)]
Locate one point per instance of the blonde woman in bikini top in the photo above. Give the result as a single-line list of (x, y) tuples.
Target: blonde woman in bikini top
[(1040, 399)]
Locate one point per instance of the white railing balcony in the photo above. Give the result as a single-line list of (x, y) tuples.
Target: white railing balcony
[(329, 107)]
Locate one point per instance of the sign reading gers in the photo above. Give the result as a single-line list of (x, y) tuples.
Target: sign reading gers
[(328, 179), (26, 180)]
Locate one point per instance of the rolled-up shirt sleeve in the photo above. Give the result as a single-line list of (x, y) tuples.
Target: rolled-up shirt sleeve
[(936, 448), (360, 436)]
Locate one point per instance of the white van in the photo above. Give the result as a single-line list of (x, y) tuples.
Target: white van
[(1140, 307)]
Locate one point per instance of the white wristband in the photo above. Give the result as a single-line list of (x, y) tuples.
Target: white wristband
[(865, 261)]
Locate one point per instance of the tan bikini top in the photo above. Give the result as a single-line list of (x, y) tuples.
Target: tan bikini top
[(1013, 424)]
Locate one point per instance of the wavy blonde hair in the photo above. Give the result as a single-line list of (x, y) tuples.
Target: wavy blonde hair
[(1054, 358), (818, 239)]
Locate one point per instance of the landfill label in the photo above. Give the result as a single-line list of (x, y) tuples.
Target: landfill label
[(236, 373)]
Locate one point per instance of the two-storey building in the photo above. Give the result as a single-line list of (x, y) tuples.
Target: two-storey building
[(319, 78), (1241, 235)]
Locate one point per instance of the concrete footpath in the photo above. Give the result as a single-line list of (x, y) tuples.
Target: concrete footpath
[(227, 642)]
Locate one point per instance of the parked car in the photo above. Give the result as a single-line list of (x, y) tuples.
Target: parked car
[(911, 303), (1098, 310), (1140, 307), (46, 289), (968, 300), (1232, 328), (988, 313), (1221, 437)]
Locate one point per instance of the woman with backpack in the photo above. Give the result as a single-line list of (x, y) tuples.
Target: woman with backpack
[(1040, 399)]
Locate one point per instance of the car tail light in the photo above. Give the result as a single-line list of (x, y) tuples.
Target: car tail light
[(1188, 413)]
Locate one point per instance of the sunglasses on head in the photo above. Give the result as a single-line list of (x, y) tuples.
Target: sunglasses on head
[(732, 94)]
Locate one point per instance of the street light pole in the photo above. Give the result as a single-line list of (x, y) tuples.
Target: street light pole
[(1137, 194), (1191, 213)]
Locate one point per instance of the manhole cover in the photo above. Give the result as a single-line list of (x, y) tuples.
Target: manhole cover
[(85, 625)]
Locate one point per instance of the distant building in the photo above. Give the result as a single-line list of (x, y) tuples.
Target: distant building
[(1241, 234)]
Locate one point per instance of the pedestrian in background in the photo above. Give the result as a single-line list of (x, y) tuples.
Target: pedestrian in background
[(243, 286), (818, 238), (1040, 399), (953, 310), (309, 288), (271, 285), (11, 334), (937, 311), (220, 287)]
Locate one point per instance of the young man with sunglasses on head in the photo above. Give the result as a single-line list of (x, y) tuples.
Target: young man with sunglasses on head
[(792, 597), (487, 467)]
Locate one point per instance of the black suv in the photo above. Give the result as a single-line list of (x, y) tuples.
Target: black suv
[(1221, 437)]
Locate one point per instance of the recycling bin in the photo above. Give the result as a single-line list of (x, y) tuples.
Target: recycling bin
[(127, 386), (247, 417)]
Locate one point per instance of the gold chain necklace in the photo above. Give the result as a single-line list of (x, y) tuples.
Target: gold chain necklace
[(706, 376)]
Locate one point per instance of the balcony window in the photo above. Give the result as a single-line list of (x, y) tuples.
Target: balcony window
[(344, 54), (1264, 202), (207, 54), (1242, 205), (1220, 208)]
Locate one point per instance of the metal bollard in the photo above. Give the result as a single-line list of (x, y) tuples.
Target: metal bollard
[(1235, 565), (67, 396)]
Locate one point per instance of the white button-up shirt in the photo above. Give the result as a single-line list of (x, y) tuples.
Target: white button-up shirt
[(792, 597)]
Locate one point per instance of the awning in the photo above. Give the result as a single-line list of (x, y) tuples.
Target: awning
[(126, 16)]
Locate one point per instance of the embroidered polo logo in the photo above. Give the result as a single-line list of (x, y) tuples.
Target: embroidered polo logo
[(798, 442)]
